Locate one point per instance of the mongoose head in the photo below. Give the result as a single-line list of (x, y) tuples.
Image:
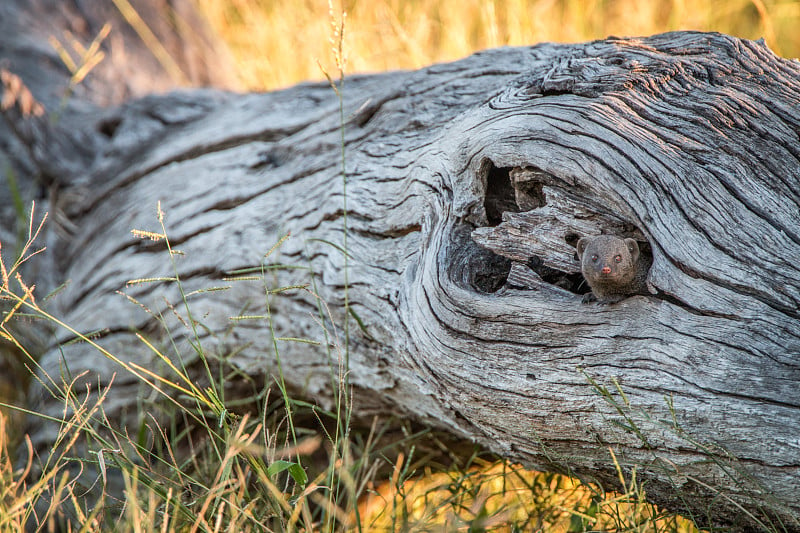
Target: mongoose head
[(607, 260)]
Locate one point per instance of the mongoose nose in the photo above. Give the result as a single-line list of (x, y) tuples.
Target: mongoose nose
[(606, 270)]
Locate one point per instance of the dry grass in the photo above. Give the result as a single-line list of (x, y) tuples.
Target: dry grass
[(278, 43), (507, 497)]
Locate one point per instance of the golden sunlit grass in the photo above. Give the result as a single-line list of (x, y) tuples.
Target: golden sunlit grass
[(507, 497), (277, 43)]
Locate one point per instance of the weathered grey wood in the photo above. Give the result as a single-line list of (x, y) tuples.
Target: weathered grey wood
[(130, 68), (686, 140)]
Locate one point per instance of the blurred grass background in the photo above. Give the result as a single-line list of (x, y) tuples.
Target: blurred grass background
[(276, 43)]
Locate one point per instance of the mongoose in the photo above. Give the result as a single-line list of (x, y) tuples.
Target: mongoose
[(613, 267)]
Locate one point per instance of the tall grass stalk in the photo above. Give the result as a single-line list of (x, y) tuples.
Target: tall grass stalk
[(342, 388)]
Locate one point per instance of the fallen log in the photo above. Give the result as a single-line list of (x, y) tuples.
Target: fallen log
[(467, 187)]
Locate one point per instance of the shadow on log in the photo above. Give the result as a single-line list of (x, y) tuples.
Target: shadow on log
[(468, 185)]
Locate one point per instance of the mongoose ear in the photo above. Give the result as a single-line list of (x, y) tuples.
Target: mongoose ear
[(582, 245), (633, 248)]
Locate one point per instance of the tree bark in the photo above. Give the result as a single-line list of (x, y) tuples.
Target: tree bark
[(467, 185)]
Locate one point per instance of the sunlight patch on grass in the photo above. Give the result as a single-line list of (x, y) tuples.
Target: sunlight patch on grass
[(507, 497)]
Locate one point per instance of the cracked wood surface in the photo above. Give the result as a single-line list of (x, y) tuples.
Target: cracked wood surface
[(686, 141)]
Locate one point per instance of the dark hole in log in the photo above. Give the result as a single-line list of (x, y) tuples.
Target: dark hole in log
[(108, 127), (474, 266), (490, 274), (572, 239), (571, 282), (504, 193), (499, 195)]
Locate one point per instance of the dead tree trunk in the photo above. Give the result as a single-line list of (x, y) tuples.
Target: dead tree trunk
[(467, 185)]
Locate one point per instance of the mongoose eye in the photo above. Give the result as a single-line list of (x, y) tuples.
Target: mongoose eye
[(618, 258), (594, 258)]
